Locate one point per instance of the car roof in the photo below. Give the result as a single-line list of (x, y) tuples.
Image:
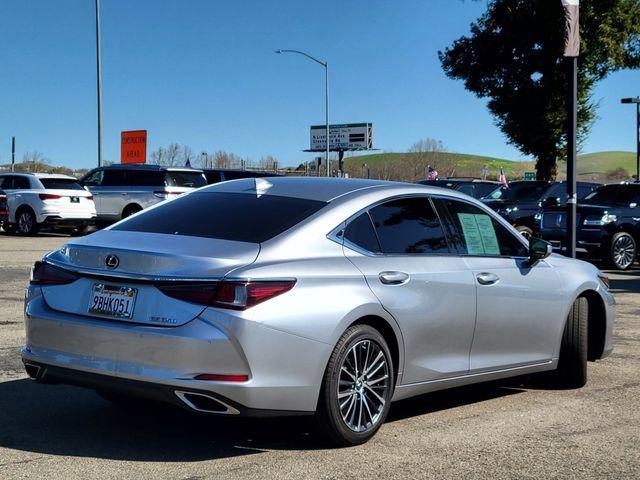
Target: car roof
[(316, 188), (59, 176), (150, 167)]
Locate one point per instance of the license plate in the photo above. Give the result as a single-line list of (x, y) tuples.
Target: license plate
[(75, 199), (112, 301)]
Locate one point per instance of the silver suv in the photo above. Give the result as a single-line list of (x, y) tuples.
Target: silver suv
[(122, 190)]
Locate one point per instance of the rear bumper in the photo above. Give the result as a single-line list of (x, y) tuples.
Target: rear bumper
[(187, 398), (284, 370), (57, 221)]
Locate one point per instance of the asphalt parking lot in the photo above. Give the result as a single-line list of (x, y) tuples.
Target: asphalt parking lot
[(514, 429)]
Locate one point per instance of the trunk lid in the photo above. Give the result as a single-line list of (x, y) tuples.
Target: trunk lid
[(142, 260)]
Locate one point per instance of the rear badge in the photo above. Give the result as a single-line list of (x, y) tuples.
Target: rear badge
[(164, 320), (111, 261)]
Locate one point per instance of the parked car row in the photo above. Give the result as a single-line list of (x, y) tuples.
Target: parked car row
[(104, 195), (608, 216)]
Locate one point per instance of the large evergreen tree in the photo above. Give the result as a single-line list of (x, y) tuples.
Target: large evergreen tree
[(513, 57)]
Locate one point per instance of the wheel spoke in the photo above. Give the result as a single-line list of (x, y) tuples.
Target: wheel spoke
[(344, 369), (379, 379), (380, 399), (380, 355), (346, 394)]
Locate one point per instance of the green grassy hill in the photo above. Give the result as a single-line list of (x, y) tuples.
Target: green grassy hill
[(601, 166)]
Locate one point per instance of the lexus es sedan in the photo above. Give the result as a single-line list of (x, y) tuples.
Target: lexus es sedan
[(310, 296)]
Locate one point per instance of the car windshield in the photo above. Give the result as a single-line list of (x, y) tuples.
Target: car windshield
[(176, 178), (61, 184), (614, 195), (241, 217), (526, 192)]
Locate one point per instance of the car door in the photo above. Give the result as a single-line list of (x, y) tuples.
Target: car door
[(401, 249), (113, 193), (519, 308), (93, 183)]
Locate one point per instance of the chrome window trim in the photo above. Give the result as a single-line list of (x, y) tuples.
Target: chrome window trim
[(337, 234)]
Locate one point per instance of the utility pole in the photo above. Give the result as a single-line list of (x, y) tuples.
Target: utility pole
[(99, 82), (636, 100), (571, 53), (13, 153)]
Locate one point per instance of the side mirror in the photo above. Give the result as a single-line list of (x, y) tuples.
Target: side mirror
[(538, 250), (633, 205)]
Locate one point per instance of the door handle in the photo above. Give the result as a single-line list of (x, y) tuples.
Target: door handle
[(486, 278), (393, 278)]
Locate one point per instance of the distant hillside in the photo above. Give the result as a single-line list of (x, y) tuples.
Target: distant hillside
[(601, 166)]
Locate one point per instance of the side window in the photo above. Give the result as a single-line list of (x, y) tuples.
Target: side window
[(21, 183), (477, 233), (469, 189), (585, 189), (409, 225), (213, 176), (6, 182), (95, 179), (113, 178), (557, 191), (360, 232)]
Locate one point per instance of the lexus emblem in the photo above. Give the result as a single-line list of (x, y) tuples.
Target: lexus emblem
[(112, 261)]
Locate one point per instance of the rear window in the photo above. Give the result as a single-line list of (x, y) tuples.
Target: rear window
[(60, 184), (185, 179), (241, 217)]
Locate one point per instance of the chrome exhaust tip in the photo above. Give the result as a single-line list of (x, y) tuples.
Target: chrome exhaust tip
[(205, 404), (32, 370)]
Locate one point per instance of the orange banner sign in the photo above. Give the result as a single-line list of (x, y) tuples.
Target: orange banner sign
[(133, 147)]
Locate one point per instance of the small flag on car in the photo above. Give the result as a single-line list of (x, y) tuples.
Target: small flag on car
[(572, 29), (503, 179), (432, 173)]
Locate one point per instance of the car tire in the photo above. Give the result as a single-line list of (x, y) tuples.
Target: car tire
[(526, 232), (623, 251), (26, 223), (352, 407), (572, 366), (130, 210)]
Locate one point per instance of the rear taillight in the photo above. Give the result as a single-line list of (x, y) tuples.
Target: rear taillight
[(44, 274), (234, 295), (49, 196), (90, 197)]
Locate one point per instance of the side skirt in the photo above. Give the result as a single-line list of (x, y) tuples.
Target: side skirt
[(413, 389)]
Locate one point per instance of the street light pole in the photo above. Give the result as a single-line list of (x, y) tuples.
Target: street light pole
[(636, 100), (326, 99), (99, 82)]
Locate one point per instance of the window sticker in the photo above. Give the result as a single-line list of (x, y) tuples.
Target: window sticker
[(479, 234)]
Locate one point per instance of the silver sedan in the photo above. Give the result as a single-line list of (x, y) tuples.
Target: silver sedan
[(310, 296)]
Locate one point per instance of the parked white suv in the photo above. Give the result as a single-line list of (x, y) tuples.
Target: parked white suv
[(35, 200)]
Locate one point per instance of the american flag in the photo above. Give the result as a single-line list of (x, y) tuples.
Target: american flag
[(503, 179), (432, 173)]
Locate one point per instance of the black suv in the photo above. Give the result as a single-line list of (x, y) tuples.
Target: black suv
[(519, 203), (217, 175), (474, 187), (608, 224)]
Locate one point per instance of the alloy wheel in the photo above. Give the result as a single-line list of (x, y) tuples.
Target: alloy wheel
[(25, 223), (624, 251), (363, 386)]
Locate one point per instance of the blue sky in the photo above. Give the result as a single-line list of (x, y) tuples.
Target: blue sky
[(203, 73)]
